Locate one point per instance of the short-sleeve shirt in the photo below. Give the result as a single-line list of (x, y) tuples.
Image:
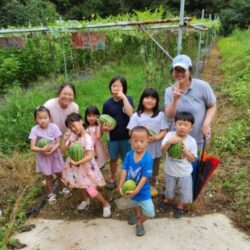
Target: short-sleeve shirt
[(58, 114), (137, 170), (180, 167), (195, 100), (116, 110), (156, 123), (51, 133)]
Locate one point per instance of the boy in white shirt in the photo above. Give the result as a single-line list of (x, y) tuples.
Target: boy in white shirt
[(178, 171)]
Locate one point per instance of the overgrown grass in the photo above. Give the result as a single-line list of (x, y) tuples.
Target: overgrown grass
[(233, 143), (16, 116)]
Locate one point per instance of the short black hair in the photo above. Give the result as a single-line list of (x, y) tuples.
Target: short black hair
[(73, 117), (122, 80), (66, 84), (139, 128), (184, 116), (41, 109)]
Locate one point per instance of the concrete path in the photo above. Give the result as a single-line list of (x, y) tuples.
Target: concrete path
[(213, 232)]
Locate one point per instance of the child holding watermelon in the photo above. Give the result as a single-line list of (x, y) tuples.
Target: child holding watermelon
[(45, 141), (137, 167), (91, 118), (120, 107), (149, 115), (181, 151), (82, 173)]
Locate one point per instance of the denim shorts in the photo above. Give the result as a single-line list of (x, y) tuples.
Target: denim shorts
[(184, 184), (118, 148), (147, 207)]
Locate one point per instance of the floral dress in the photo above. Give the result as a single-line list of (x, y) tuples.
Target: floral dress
[(101, 153), (84, 175)]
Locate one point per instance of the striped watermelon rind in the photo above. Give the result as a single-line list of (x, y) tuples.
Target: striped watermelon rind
[(75, 151), (107, 119), (175, 150), (42, 142), (129, 185)]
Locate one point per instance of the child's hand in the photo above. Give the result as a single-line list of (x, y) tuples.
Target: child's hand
[(131, 194), (107, 127), (66, 135), (119, 94), (47, 148), (74, 163), (152, 138), (175, 139)]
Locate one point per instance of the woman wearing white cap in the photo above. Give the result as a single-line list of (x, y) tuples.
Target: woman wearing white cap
[(190, 95)]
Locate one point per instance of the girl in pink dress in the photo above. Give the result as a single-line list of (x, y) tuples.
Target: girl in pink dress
[(49, 160), (94, 129), (83, 174)]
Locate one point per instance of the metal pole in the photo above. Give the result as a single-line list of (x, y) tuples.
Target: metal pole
[(165, 52), (199, 48), (179, 46)]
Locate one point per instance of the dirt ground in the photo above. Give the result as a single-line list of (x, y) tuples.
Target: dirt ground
[(66, 209), (210, 201)]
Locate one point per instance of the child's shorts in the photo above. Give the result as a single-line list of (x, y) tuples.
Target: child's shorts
[(184, 184), (118, 148), (147, 207)]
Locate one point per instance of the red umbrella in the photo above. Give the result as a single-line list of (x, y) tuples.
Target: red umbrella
[(207, 165)]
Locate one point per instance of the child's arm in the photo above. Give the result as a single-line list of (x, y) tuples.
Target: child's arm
[(88, 156), (122, 180), (188, 155), (158, 137), (128, 108), (98, 130), (36, 149), (175, 139), (55, 147), (138, 187), (66, 136)]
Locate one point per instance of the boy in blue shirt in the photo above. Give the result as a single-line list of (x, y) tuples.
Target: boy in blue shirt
[(137, 166)]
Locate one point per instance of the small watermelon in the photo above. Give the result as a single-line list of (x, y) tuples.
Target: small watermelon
[(43, 142), (107, 119), (129, 185), (75, 151), (175, 150), (151, 132)]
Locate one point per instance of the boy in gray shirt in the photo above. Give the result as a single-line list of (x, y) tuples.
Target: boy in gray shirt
[(178, 169)]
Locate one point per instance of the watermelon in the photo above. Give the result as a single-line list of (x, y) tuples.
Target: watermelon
[(175, 150), (151, 132), (107, 119), (75, 151), (129, 185), (41, 143)]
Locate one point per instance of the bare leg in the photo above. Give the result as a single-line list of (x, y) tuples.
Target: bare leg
[(113, 167), (49, 181), (142, 219), (137, 211), (84, 194), (180, 205), (166, 200), (59, 178), (100, 198)]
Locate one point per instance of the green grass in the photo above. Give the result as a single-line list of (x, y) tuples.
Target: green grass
[(16, 115)]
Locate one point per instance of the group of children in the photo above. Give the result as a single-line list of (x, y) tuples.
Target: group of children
[(140, 164)]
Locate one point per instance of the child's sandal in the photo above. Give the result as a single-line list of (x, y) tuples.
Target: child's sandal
[(52, 199), (65, 192)]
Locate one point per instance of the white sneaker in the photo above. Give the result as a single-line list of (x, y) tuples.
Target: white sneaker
[(83, 205), (107, 211)]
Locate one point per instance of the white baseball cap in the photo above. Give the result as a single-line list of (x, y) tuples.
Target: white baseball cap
[(182, 61)]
